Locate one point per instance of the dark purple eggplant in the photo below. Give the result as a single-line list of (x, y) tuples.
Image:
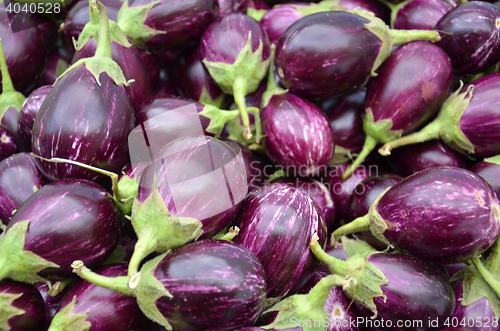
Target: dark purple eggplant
[(167, 24), (312, 63), (51, 302), (227, 7), (489, 169), (68, 220), (29, 110), (371, 6), (276, 223), (21, 307), (194, 81), (215, 275), (152, 66), (469, 121), (409, 90), (57, 62), (421, 14), (440, 214), (471, 36), (235, 50), (166, 87), (478, 315), (87, 116), (91, 307), (410, 159), (19, 179), (8, 144)]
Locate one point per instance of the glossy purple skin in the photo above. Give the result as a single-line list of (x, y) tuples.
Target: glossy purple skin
[(375, 7), (9, 122), (51, 302), (441, 214), (316, 191), (84, 122), (279, 18), (346, 120), (478, 311), (227, 7), (79, 15), (183, 21), (61, 55), (411, 86), (312, 62), (8, 144), (217, 275), (471, 36), (422, 14), (417, 290), (129, 59), (107, 309), (27, 114), (78, 217), (30, 301), (191, 77), (25, 60), (276, 223), (225, 38), (490, 172), (19, 175), (362, 198), (166, 87), (453, 268), (297, 135), (152, 65), (408, 160)]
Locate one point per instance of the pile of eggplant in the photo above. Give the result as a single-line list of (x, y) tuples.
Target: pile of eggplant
[(218, 165)]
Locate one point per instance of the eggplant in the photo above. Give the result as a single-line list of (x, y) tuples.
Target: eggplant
[(167, 24), (440, 214), (87, 306), (152, 66), (477, 316), (377, 8), (87, 116), (208, 274), (276, 223), (51, 301), (61, 222), (471, 36), (57, 62), (19, 179), (227, 7), (312, 64), (21, 307), (421, 14), (489, 169), (255, 165), (468, 121), (409, 90), (235, 50), (8, 144), (29, 110)]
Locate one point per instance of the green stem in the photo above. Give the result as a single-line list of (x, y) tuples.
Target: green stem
[(318, 295), (359, 224), (117, 284), (429, 132), (370, 144), (277, 175), (94, 14), (146, 244), (104, 45), (271, 88), (231, 234), (395, 10), (400, 37), (239, 93), (7, 85), (335, 265), (492, 263), (487, 276), (258, 127)]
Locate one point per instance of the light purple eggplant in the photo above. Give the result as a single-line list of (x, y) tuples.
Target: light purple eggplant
[(19, 179), (410, 159), (409, 90), (422, 14), (312, 63), (60, 223), (471, 36), (489, 169), (8, 144), (22, 307), (468, 121), (28, 112), (440, 214), (276, 223)]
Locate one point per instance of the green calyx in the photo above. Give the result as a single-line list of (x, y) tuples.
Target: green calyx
[(131, 21), (67, 320), (218, 118), (18, 264), (206, 99), (307, 308), (101, 61), (395, 9), (342, 155), (356, 247), (313, 8), (256, 14), (8, 310), (272, 88), (9, 97), (493, 159)]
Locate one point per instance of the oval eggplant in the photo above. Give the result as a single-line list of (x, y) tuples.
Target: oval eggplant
[(490, 171), (422, 14), (30, 109), (8, 144)]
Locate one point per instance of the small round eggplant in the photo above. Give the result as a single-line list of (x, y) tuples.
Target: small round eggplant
[(30, 109), (19, 179), (471, 36), (489, 169), (21, 307), (422, 14), (276, 223), (8, 144)]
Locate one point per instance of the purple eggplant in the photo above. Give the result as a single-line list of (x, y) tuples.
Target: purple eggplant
[(471, 36), (195, 82), (8, 144), (469, 121), (421, 14), (68, 220), (409, 90), (29, 110), (152, 65), (167, 24), (57, 62), (276, 223), (19, 179), (228, 7), (489, 169), (255, 165), (257, 9), (235, 50), (410, 159), (312, 63), (21, 307), (375, 7), (475, 316), (91, 307), (440, 214), (51, 302)]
